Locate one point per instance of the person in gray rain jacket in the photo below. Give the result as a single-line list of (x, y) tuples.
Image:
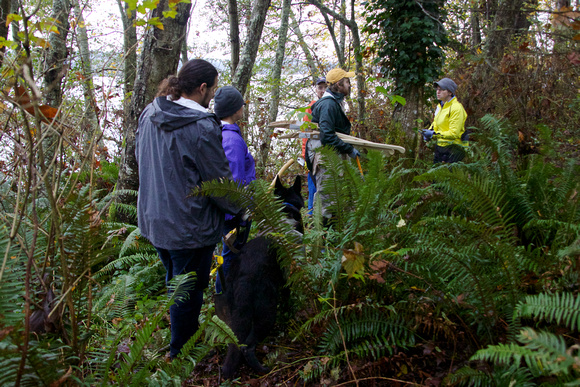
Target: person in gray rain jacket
[(178, 147)]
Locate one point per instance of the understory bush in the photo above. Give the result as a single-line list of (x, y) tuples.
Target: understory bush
[(470, 267)]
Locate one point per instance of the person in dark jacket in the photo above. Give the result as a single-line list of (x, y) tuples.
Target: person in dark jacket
[(178, 147), (329, 113), (229, 108)]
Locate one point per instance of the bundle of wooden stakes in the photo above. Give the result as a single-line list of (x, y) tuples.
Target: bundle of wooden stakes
[(295, 132)]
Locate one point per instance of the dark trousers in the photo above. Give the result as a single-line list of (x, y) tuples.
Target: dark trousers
[(227, 254), (184, 313), (448, 154)]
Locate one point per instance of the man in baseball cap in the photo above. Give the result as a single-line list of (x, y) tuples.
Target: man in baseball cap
[(338, 74), (329, 113)]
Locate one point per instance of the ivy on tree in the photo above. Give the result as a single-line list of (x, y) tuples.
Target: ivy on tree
[(410, 37)]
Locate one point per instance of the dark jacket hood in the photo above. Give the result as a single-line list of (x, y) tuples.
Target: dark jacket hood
[(169, 116)]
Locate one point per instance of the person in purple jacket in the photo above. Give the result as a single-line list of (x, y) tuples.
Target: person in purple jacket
[(229, 107)]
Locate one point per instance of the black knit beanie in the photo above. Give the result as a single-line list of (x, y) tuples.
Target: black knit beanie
[(228, 100)]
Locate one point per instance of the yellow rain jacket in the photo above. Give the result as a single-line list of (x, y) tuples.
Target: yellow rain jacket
[(449, 123)]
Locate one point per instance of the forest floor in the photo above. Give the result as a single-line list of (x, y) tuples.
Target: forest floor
[(423, 365)]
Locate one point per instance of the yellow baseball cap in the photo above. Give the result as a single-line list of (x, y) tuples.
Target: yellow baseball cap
[(337, 74)]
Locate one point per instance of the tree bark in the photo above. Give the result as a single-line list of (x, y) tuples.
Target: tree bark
[(15, 26), (91, 131), (342, 30), (279, 61), (276, 77), (244, 69), (5, 7), (57, 53), (475, 28), (158, 60), (129, 54), (184, 55), (351, 23), (507, 19), (407, 115), (309, 60), (234, 33), (340, 54)]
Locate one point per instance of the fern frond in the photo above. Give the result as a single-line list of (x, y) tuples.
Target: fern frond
[(468, 376), (219, 331), (543, 352), (267, 211), (127, 262), (129, 210), (117, 193), (485, 199), (119, 299), (551, 350), (369, 332), (560, 308), (511, 354), (9, 363), (132, 364), (569, 182), (500, 376)]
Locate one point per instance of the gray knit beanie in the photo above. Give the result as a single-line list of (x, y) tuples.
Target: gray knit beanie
[(447, 84), (228, 100)]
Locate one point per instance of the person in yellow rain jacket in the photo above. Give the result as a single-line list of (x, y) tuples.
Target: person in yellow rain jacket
[(448, 125)]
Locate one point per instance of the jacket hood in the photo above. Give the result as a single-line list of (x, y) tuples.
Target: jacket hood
[(337, 96), (169, 116)]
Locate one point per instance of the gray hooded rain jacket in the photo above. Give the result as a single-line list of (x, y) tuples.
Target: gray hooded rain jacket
[(178, 148)]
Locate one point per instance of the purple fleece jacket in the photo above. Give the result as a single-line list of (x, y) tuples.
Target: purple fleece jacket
[(241, 161)]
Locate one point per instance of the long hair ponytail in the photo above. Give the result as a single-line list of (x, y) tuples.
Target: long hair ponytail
[(192, 75)]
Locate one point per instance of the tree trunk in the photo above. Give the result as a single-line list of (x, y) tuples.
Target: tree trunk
[(276, 77), (340, 55), (14, 24), (91, 130), (57, 53), (407, 115), (350, 23), (508, 18), (234, 33), (475, 28), (5, 7), (309, 60), (358, 65), (130, 56), (280, 51), (158, 60), (184, 55), (342, 30), (243, 73)]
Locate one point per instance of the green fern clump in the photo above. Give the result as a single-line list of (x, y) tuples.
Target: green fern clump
[(467, 237), (536, 353), (267, 213), (368, 334)]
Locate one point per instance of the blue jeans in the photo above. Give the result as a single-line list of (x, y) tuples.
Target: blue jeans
[(311, 192), (227, 254), (184, 313)]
